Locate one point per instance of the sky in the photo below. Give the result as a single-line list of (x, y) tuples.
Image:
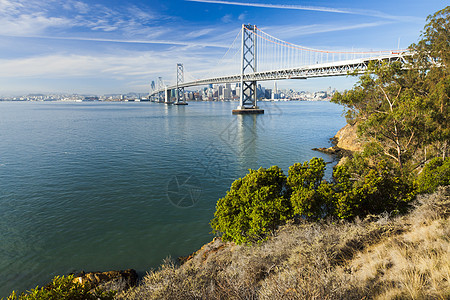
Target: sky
[(110, 46)]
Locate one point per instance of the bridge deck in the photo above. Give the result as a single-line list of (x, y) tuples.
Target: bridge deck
[(341, 68)]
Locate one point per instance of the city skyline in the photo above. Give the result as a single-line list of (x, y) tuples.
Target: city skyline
[(101, 47), (212, 92)]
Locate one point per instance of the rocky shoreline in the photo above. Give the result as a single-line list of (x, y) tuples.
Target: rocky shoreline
[(119, 281), (345, 143)]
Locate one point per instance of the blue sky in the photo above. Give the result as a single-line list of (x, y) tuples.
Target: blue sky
[(110, 46)]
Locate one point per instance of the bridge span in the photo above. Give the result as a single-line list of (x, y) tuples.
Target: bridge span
[(276, 60)]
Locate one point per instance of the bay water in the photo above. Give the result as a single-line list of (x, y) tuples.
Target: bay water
[(100, 186)]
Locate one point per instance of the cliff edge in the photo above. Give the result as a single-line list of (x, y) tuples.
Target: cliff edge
[(345, 142), (346, 138)]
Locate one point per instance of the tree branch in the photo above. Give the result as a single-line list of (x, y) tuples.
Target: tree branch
[(391, 156)]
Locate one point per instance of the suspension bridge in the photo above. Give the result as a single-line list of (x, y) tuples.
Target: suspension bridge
[(260, 56)]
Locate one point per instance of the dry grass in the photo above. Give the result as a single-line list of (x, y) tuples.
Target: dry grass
[(376, 258)]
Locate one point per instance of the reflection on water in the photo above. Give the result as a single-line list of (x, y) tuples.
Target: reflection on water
[(247, 136)]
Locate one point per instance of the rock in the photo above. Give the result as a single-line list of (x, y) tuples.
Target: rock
[(347, 138), (345, 143), (335, 150), (109, 281)]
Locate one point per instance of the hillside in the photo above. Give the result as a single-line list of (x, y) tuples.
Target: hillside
[(376, 258)]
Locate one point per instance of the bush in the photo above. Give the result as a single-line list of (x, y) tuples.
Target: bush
[(264, 199), (435, 173), (63, 287), (253, 207), (311, 197), (362, 189), (359, 189)]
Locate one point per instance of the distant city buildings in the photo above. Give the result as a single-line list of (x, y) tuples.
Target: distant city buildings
[(230, 92), (78, 97), (216, 92)]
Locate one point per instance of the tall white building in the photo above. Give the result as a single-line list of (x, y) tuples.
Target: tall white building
[(275, 91)]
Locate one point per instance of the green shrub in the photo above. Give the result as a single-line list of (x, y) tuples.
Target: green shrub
[(362, 189), (253, 207), (63, 287), (435, 173), (359, 189), (311, 196), (264, 199)]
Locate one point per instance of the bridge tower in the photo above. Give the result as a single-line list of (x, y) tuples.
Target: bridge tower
[(248, 91), (180, 90), (161, 90), (151, 97)]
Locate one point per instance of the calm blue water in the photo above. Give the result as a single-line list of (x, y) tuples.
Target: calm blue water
[(102, 186)]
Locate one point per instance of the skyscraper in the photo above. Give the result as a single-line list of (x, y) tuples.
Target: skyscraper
[(275, 91)]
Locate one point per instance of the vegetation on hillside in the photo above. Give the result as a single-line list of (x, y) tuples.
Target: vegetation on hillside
[(254, 206), (379, 257), (403, 108), (258, 203)]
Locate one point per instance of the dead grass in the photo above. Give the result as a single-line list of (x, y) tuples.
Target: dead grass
[(377, 258)]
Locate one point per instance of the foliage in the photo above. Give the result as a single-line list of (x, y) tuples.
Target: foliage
[(403, 107), (310, 194), (261, 201), (63, 287), (362, 189), (253, 207), (436, 173), (359, 188), (434, 47), (389, 109), (432, 57)]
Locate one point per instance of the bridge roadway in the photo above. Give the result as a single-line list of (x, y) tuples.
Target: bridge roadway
[(340, 68)]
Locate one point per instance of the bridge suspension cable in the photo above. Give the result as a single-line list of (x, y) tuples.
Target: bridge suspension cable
[(229, 63), (271, 58), (274, 53)]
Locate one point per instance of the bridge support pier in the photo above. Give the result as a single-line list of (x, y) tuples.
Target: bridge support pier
[(248, 89), (167, 95)]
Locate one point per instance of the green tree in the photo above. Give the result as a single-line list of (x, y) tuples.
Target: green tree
[(253, 207), (432, 60), (389, 110), (310, 195), (403, 107)]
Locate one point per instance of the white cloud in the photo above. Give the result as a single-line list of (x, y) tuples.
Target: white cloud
[(282, 6), (30, 24), (286, 32), (40, 17), (227, 18), (315, 8), (140, 14), (78, 6), (126, 65), (199, 33), (6, 5), (134, 41)]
